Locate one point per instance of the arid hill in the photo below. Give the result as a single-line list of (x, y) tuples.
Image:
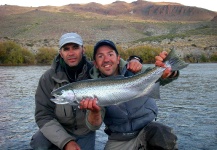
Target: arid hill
[(137, 23), (146, 11), (139, 9)]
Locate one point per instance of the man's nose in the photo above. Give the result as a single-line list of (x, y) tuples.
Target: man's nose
[(71, 51), (106, 58)]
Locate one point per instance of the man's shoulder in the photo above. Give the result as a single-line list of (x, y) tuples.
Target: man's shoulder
[(48, 73)]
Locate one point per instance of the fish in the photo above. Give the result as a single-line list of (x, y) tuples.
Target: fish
[(116, 90)]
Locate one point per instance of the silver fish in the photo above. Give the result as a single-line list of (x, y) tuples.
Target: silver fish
[(113, 91)]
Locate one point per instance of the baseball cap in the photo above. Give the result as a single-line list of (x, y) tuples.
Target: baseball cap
[(102, 43), (70, 38)]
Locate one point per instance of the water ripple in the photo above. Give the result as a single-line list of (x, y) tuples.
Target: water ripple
[(188, 105)]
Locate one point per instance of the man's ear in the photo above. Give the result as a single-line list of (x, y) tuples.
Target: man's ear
[(83, 50), (60, 53), (119, 57)]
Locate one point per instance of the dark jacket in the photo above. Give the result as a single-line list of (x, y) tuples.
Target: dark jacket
[(57, 121)]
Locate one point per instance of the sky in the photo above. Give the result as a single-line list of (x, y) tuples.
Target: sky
[(207, 4)]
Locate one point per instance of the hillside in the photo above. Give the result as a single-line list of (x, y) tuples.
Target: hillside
[(128, 24), (139, 9)]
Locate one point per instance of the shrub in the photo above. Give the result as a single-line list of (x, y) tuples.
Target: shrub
[(147, 53), (45, 56), (13, 54), (28, 57), (203, 58), (213, 57), (89, 52)]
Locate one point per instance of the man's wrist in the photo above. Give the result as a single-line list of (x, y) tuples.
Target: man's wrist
[(135, 57)]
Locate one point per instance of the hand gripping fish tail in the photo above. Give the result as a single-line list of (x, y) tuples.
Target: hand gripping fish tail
[(174, 61), (112, 90)]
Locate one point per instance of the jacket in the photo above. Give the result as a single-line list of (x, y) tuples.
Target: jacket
[(131, 116), (59, 122)]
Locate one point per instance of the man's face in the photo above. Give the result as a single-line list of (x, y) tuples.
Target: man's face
[(107, 61), (72, 54)]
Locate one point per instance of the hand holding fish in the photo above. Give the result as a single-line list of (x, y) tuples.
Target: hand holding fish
[(134, 66), (90, 104), (159, 62), (94, 117), (72, 145)]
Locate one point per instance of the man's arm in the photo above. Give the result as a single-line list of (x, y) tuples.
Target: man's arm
[(134, 64), (95, 113), (45, 117)]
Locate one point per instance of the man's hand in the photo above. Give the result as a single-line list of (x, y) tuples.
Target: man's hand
[(72, 145), (159, 59), (94, 117), (90, 104), (134, 65), (159, 62)]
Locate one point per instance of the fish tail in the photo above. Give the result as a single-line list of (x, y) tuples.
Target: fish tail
[(174, 61)]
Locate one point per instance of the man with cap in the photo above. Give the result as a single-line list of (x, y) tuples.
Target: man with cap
[(131, 125), (65, 126)]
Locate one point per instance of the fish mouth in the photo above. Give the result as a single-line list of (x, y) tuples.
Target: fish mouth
[(54, 97), (58, 99)]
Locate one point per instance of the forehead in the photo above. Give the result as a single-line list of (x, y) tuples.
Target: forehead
[(105, 49), (70, 44)]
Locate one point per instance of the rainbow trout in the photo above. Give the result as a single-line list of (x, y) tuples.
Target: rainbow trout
[(113, 91)]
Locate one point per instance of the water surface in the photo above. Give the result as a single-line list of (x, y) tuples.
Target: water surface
[(188, 105)]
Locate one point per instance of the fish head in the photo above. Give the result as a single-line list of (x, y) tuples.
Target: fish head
[(64, 97)]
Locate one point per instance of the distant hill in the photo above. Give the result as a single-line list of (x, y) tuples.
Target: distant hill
[(145, 10), (121, 22), (139, 9)]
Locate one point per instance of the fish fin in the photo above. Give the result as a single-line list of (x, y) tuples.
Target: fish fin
[(174, 61), (155, 91)]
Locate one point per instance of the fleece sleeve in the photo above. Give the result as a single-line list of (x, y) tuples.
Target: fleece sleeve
[(90, 126)]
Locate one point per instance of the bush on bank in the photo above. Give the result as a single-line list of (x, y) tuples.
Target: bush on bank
[(13, 54), (45, 56)]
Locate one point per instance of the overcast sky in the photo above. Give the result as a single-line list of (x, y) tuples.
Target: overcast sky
[(207, 4)]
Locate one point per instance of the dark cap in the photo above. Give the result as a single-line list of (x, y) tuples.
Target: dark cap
[(102, 43)]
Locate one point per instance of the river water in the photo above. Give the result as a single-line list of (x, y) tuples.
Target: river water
[(188, 105)]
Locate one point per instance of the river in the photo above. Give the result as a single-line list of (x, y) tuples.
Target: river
[(188, 105)]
